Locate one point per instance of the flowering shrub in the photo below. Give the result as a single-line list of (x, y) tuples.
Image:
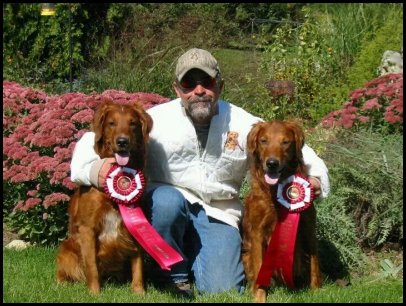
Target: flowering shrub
[(378, 106), (39, 135)]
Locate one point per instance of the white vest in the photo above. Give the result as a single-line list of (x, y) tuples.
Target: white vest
[(212, 179)]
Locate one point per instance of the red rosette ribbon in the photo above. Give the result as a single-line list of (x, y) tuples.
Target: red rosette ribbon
[(295, 194), (124, 185)]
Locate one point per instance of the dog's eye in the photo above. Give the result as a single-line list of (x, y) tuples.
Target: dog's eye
[(111, 123), (285, 142), (263, 141)]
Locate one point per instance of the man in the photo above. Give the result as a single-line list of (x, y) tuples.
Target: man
[(196, 164)]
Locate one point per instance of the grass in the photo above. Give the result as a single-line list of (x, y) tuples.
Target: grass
[(29, 276), (240, 72)]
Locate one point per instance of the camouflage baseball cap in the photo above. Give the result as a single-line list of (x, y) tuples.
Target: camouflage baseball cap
[(199, 59)]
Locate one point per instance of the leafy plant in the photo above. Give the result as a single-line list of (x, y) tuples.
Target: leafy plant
[(389, 269), (300, 54), (41, 49), (339, 250), (366, 170)]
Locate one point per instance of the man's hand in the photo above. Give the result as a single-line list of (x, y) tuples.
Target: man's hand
[(316, 185), (108, 162)]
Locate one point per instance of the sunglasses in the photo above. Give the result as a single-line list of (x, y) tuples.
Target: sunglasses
[(191, 84)]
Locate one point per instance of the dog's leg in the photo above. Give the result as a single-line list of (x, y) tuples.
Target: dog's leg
[(258, 292), (257, 252), (137, 273), (88, 252), (68, 262), (315, 279), (254, 245)]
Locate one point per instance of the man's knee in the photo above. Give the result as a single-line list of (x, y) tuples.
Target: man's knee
[(167, 201)]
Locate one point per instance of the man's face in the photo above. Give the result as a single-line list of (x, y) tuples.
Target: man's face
[(199, 94)]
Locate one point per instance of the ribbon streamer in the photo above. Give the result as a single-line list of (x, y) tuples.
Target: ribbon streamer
[(125, 186), (281, 250), (136, 223), (295, 194)]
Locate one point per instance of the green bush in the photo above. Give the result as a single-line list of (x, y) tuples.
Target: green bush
[(36, 49), (366, 172), (339, 249), (299, 53)]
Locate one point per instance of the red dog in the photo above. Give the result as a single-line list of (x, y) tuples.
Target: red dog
[(99, 244), (275, 153)]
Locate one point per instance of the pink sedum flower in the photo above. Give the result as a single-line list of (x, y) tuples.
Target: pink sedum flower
[(40, 132), (371, 104), (55, 198), (379, 103)]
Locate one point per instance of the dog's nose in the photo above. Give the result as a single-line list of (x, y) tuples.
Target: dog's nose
[(272, 164), (122, 142)]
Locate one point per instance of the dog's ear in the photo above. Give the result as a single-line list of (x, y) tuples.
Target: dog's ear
[(98, 120), (252, 138), (145, 118), (299, 136), (146, 124)]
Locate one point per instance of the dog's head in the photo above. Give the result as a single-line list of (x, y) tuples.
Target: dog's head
[(275, 150), (121, 131)]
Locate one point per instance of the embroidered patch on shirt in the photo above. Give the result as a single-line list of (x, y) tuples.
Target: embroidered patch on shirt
[(232, 141)]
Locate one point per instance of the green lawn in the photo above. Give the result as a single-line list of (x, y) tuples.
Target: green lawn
[(29, 276)]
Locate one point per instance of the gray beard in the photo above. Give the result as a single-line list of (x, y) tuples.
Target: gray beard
[(200, 111)]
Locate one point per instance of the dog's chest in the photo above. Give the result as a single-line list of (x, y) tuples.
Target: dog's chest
[(115, 243), (114, 232), (111, 227)]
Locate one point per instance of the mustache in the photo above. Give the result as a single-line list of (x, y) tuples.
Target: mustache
[(205, 99)]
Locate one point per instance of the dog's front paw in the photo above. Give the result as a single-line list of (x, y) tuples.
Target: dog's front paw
[(139, 289), (315, 282), (260, 295), (94, 288)]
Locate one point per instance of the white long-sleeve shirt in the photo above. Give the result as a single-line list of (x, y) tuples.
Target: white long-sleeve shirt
[(211, 178)]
